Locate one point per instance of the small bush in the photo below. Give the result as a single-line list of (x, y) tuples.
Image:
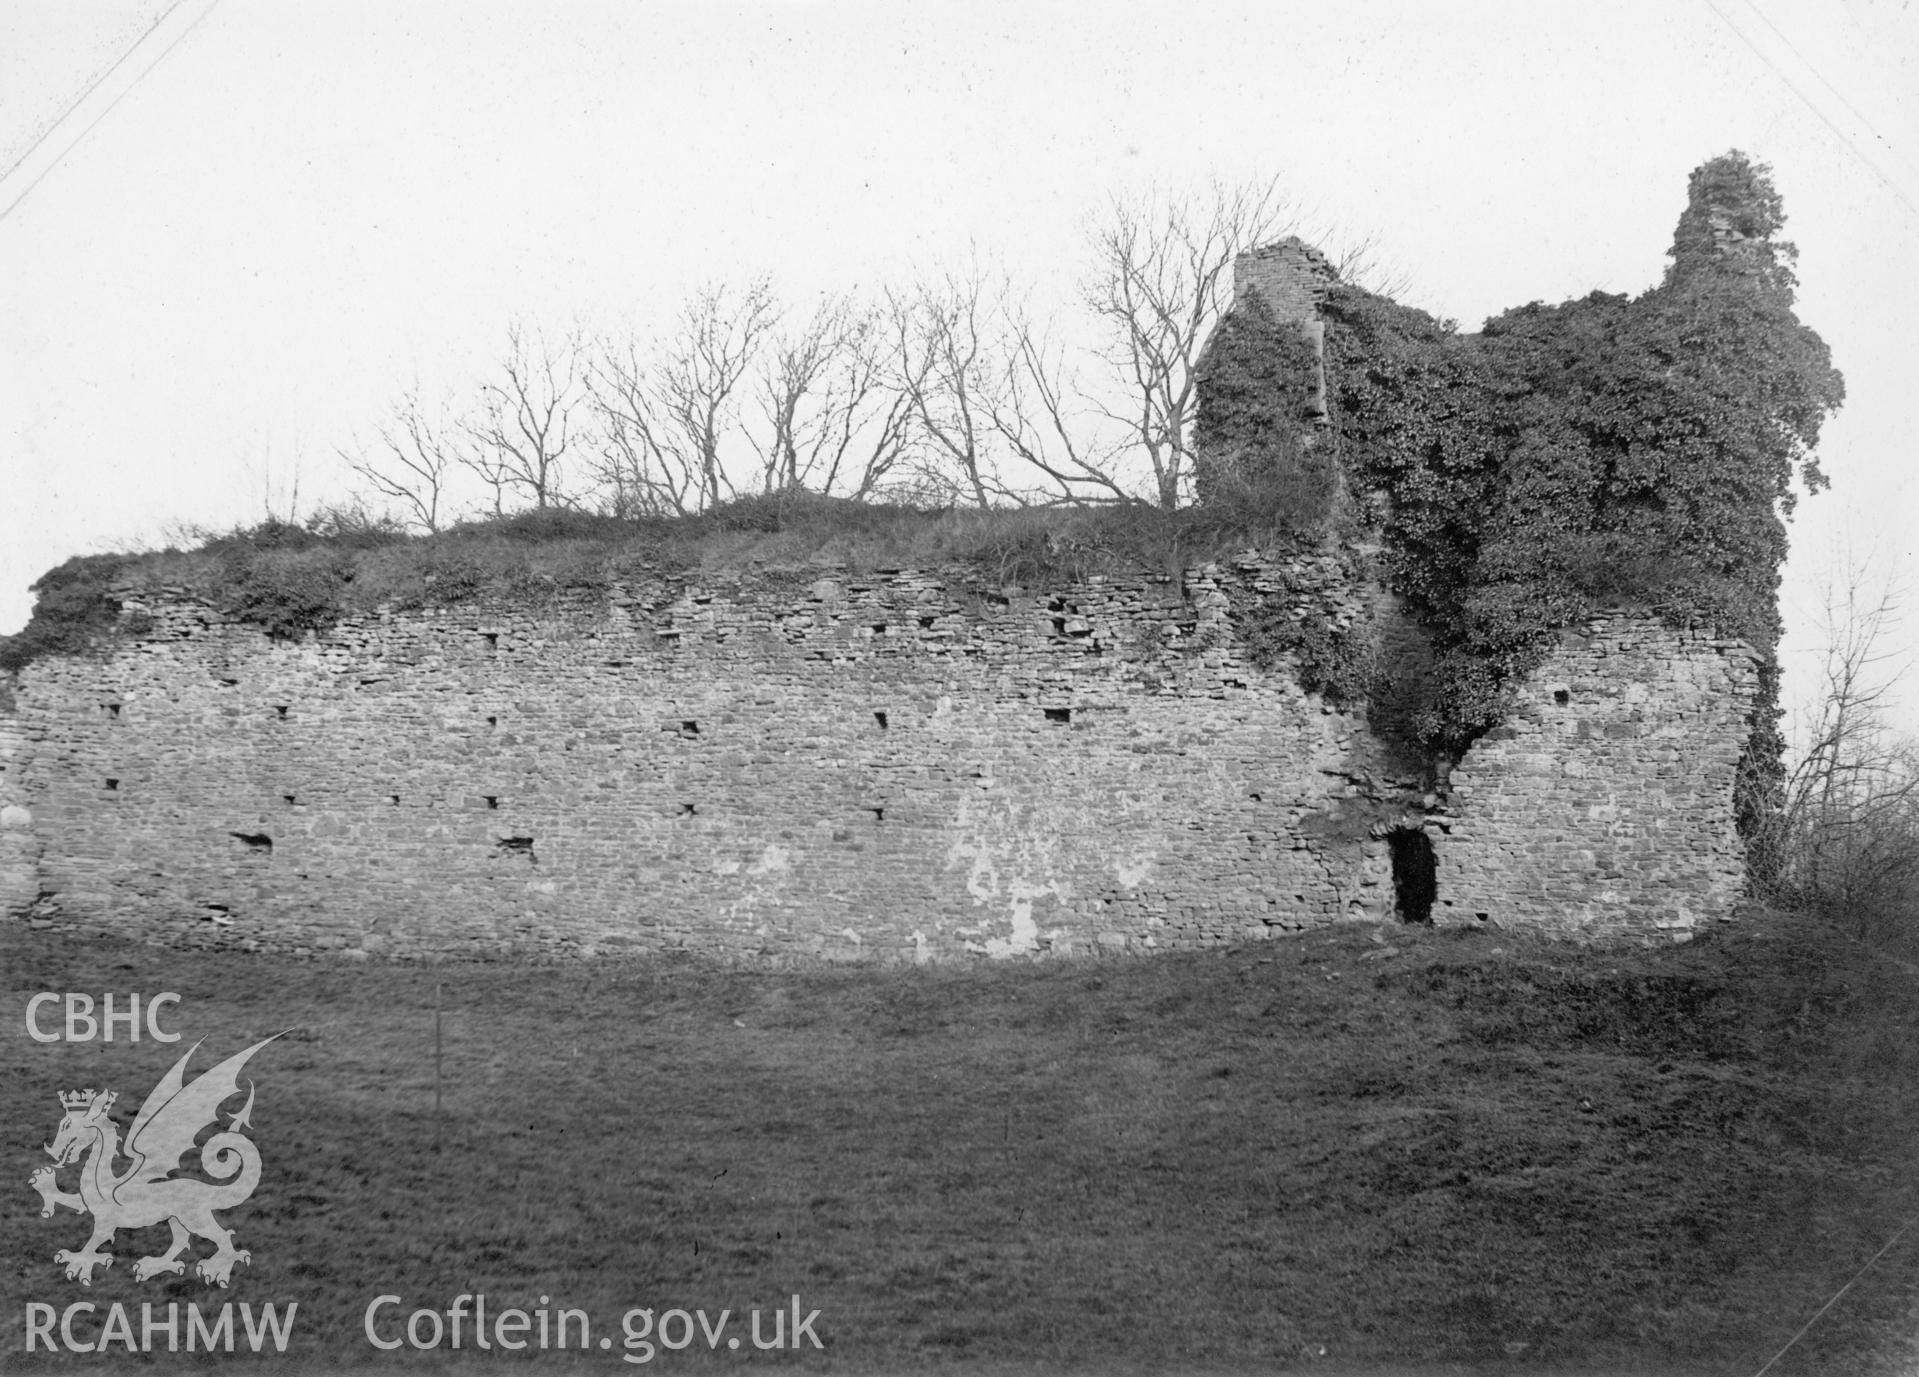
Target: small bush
[(548, 524), (454, 580), (1331, 660), (351, 525), (1333, 653), (289, 589)]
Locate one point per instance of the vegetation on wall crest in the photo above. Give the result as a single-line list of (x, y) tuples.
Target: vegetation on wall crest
[(1606, 451), (292, 580), (74, 613)]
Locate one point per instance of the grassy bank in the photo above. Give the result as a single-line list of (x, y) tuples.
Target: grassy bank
[(1389, 1145)]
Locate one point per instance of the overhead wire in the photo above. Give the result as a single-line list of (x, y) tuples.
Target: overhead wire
[(91, 87), (1835, 1296), (1806, 100), (1837, 94)]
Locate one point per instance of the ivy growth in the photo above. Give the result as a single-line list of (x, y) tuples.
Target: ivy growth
[(1329, 648), (1253, 434), (284, 578), (75, 612), (1607, 451)]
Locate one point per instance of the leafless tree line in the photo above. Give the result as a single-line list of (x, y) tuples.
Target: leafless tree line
[(948, 392), (1843, 839)]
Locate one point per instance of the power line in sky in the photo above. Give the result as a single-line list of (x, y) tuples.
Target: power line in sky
[(1808, 102), (88, 90), (1837, 94), (92, 86)]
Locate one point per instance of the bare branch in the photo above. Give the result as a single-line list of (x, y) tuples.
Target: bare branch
[(1845, 833), (1031, 413), (412, 459), (668, 411), (1161, 278), (525, 430), (941, 370), (833, 418), (640, 464)]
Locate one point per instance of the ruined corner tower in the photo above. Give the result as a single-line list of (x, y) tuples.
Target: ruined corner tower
[(1262, 409), (1291, 278)]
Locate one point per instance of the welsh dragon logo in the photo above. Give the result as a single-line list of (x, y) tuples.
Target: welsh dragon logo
[(148, 1192)]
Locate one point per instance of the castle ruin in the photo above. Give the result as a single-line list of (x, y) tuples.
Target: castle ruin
[(903, 765)]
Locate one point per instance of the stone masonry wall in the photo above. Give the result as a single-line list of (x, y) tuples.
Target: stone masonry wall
[(1292, 278), (1610, 785), (895, 766), (19, 848)]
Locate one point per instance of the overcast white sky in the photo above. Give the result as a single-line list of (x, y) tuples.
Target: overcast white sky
[(285, 211)]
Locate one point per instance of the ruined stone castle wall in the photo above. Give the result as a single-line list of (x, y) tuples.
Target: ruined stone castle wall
[(1292, 278), (897, 766), (19, 847), (1608, 789)]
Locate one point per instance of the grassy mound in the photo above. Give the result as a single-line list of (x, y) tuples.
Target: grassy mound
[(1389, 1145)]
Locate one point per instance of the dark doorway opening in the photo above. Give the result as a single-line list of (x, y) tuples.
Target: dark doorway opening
[(1415, 874)]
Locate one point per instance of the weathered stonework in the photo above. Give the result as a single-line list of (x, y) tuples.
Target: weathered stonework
[(19, 848), (1609, 787), (894, 766), (1292, 278)]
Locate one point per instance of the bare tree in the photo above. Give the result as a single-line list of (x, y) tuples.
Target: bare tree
[(949, 367), (1007, 413), (1846, 832), (290, 485), (1001, 408), (954, 387), (644, 472), (412, 459), (1038, 413), (526, 427), (717, 337), (834, 420), (1160, 280), (1361, 263), (669, 410)]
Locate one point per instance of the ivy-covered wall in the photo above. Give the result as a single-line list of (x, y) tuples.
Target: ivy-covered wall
[(1612, 450)]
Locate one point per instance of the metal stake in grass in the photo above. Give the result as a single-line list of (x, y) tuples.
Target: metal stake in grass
[(437, 988)]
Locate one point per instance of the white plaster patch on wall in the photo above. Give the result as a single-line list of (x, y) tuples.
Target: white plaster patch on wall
[(974, 851), (763, 882), (1024, 937), (774, 858), (1131, 872), (991, 839)]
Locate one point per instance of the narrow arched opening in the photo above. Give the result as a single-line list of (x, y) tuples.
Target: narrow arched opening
[(1415, 874)]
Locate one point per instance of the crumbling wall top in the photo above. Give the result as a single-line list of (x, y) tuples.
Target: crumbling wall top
[(1290, 276)]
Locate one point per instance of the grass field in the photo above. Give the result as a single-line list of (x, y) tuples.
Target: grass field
[(1367, 1146)]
